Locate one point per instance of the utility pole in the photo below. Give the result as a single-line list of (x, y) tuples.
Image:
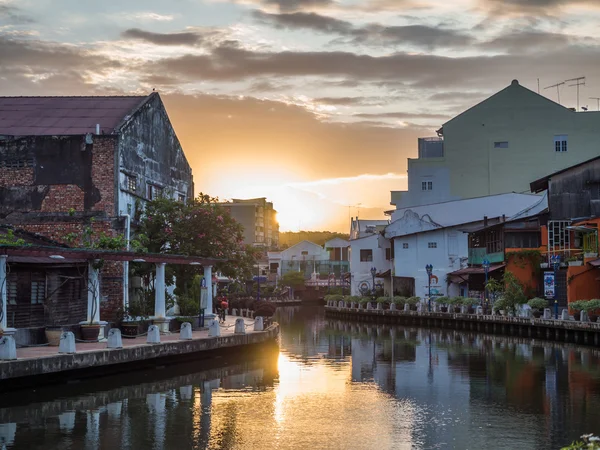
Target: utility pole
[(597, 100), (579, 81), (557, 85)]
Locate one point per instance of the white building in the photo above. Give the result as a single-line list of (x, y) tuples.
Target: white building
[(434, 234), (499, 145), (360, 228), (371, 251)]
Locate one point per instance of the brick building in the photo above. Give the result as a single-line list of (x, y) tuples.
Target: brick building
[(68, 162)]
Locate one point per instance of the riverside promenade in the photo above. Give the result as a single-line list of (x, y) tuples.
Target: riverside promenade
[(563, 330), (45, 365)]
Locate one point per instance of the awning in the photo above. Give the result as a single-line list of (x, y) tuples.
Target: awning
[(475, 270), (385, 274), (595, 263)]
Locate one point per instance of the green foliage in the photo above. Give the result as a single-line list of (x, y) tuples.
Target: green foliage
[(363, 300), (397, 300), (334, 298), (593, 305), (289, 238), (588, 442), (579, 305), (293, 279), (264, 309), (352, 299), (9, 238), (469, 301), (500, 304), (510, 290), (454, 301), (336, 290), (587, 305), (441, 300), (538, 303), (383, 299), (412, 301)]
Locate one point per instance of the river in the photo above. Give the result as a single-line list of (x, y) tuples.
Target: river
[(330, 385)]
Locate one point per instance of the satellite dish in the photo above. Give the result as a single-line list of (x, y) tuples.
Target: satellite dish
[(584, 108)]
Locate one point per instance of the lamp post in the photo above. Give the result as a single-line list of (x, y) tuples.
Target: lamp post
[(373, 273), (429, 269), (555, 265), (258, 281), (486, 268)]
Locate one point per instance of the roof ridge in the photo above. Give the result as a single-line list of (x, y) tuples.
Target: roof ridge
[(75, 96)]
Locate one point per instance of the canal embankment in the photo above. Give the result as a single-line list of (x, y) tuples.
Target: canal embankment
[(585, 333), (36, 366)]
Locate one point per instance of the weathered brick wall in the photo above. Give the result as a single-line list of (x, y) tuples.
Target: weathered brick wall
[(62, 198), (59, 230), (103, 173), (111, 290), (22, 176)]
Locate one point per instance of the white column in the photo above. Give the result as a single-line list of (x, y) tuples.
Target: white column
[(159, 285), (209, 288), (93, 312), (3, 292)]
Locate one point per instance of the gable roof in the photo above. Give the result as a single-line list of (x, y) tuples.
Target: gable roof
[(55, 116), (541, 184)]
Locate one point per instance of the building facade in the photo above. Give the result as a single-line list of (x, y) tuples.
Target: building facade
[(509, 139), (67, 163), (259, 219)]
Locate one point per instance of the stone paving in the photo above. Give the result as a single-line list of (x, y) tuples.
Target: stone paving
[(84, 347)]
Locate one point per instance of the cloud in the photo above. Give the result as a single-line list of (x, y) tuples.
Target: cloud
[(296, 5), (341, 101), (536, 6), (181, 38), (370, 34), (401, 115), (153, 16), (524, 41), (13, 15)]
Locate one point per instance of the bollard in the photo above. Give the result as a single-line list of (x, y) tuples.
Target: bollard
[(234, 312), (114, 339), (464, 309), (547, 314), (153, 335), (379, 306), (584, 317), (67, 343), (8, 348), (214, 329), (258, 324), (406, 307), (185, 332), (240, 328), (369, 306), (392, 307), (341, 304), (479, 311), (526, 313), (564, 315)]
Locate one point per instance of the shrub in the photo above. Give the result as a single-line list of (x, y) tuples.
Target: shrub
[(412, 301), (334, 297), (399, 300), (442, 300), (383, 300), (352, 298), (188, 306), (264, 308), (363, 300), (591, 305), (579, 305), (500, 304), (538, 303), (469, 301), (454, 301)]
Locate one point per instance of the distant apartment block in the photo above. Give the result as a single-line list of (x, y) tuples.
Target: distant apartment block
[(498, 146), (259, 220)]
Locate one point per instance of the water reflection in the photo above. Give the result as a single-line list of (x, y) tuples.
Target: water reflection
[(332, 385)]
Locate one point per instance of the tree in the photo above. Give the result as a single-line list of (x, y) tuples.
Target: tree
[(293, 279), (201, 227), (511, 292)]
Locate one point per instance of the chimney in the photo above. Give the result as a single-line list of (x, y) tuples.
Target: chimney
[(485, 221)]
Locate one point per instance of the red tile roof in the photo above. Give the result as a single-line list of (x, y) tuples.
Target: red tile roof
[(53, 116)]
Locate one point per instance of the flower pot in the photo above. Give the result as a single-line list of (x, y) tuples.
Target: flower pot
[(593, 317), (53, 336), (457, 310), (575, 263), (536, 313), (90, 332), (129, 330), (471, 310), (577, 315), (544, 265), (444, 309)]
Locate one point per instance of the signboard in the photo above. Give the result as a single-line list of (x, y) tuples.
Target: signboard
[(549, 284), (436, 288), (203, 297)]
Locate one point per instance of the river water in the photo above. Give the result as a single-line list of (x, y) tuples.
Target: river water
[(330, 385)]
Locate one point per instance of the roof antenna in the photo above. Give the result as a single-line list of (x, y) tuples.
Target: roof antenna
[(598, 100), (579, 81), (557, 85)]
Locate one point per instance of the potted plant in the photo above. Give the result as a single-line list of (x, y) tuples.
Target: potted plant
[(470, 303), (454, 304), (575, 261), (537, 306), (413, 302), (591, 307), (399, 301), (500, 306), (443, 302), (577, 306), (384, 301), (265, 310), (133, 315)]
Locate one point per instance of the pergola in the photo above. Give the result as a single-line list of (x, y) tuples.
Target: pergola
[(60, 255)]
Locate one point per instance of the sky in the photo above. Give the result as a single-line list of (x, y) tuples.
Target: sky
[(314, 104)]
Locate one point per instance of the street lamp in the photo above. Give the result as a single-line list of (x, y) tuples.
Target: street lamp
[(555, 265), (486, 268), (258, 288), (373, 273), (429, 269)]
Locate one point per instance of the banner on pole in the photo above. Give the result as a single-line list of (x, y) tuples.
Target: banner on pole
[(203, 298), (549, 285)]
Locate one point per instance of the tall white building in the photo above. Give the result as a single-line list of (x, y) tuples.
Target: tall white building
[(499, 145)]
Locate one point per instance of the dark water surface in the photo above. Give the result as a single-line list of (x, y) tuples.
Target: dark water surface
[(331, 385)]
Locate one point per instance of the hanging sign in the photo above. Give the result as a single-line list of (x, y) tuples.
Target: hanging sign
[(203, 297), (549, 285)]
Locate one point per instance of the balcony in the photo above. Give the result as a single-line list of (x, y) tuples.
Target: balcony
[(477, 255), (431, 147)]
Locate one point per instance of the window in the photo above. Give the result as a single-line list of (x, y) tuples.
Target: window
[(560, 143), (154, 192), (38, 292), (388, 254), (366, 255), (11, 292), (501, 144), (181, 198), (405, 245), (130, 183), (432, 244), (524, 239), (305, 253), (427, 185)]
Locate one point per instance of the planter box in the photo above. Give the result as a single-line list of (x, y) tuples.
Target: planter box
[(544, 265), (590, 255), (575, 263)]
